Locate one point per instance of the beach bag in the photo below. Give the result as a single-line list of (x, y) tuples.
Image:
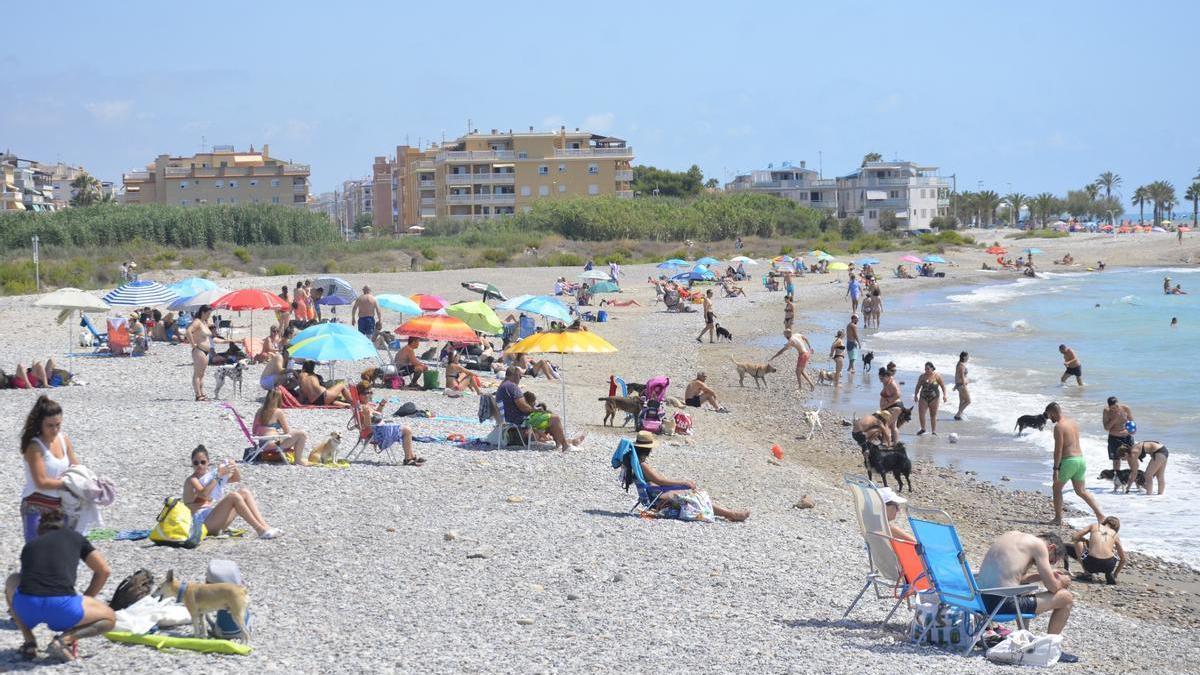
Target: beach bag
[(1024, 648), (602, 316), (131, 589), (683, 423), (176, 527), (431, 379), (223, 625), (695, 505), (947, 626)]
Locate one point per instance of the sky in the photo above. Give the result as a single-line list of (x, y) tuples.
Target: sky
[(1012, 96)]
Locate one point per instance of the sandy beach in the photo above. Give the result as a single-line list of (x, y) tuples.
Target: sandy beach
[(516, 560)]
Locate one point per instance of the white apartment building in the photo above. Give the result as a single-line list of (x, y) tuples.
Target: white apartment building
[(799, 184)]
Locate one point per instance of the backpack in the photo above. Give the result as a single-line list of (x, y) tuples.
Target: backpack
[(176, 526), (227, 572), (133, 588), (683, 423)]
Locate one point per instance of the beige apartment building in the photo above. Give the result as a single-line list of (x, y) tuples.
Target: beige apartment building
[(492, 175), (222, 176)]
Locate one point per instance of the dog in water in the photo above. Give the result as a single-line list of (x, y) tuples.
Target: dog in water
[(631, 405), (201, 599), (893, 460), (1120, 479), (1031, 422), (824, 376), (867, 359), (757, 372), (723, 333), (327, 451)]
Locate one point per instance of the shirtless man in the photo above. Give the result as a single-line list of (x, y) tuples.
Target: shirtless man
[(1068, 463), (1094, 546), (804, 351), (1007, 564), (852, 341), (407, 362), (710, 319), (1071, 362), (366, 312), (1116, 415), (698, 393)]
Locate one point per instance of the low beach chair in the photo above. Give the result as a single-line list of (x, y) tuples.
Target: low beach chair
[(257, 443), (364, 432), (118, 337), (527, 327), (498, 437), (648, 495), (884, 574), (623, 390), (99, 340), (946, 564)]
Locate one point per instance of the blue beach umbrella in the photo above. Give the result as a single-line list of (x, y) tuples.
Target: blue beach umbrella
[(186, 288), (334, 347), (604, 287), (934, 259), (140, 294), (868, 261), (513, 303), (323, 329), (546, 306), (671, 264), (399, 303), (708, 261), (1031, 251)]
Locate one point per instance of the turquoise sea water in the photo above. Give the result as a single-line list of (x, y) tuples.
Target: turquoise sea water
[(1117, 322)]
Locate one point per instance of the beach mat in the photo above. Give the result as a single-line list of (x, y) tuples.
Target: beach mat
[(202, 645)]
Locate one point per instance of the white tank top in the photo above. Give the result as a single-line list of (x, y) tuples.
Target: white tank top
[(55, 468)]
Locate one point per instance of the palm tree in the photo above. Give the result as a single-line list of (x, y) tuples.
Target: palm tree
[(1140, 197), (1044, 205), (986, 203), (1015, 201), (1108, 180), (1092, 190), (1193, 195), (1163, 195), (871, 157), (86, 190)]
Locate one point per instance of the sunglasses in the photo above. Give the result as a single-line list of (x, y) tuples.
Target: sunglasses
[(199, 462)]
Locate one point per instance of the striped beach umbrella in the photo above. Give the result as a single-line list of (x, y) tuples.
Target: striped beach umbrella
[(337, 291), (140, 294)]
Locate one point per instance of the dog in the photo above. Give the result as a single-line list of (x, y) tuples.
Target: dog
[(669, 425), (893, 460), (635, 388), (231, 372), (1030, 422), (813, 419), (1121, 478), (757, 372), (675, 402), (327, 451), (824, 376), (429, 354), (723, 334), (631, 405), (867, 359), (201, 599)]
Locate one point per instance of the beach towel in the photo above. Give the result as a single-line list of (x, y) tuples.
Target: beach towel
[(82, 496), (287, 400), (149, 613), (104, 534), (160, 641)]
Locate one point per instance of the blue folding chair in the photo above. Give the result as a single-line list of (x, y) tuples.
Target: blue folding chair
[(648, 495), (528, 327), (98, 339), (623, 390), (946, 563)]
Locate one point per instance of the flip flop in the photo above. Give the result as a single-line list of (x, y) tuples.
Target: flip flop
[(61, 651), (28, 651), (415, 461)]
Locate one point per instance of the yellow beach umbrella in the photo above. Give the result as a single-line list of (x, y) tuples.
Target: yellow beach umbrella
[(563, 342), (838, 266)]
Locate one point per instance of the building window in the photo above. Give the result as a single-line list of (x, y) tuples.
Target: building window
[(922, 193), (522, 155), (233, 200), (893, 194), (543, 170), (183, 185), (562, 187), (183, 202), (814, 196), (871, 215), (543, 190), (593, 189), (593, 169), (233, 184), (524, 190), (275, 183), (219, 201), (253, 183), (219, 184), (562, 168)]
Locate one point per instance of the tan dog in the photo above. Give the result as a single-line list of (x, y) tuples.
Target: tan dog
[(328, 449), (201, 599), (757, 371), (825, 377), (627, 404), (674, 402)]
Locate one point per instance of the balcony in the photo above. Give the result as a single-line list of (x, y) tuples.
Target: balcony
[(892, 204), (177, 171), (624, 194), (295, 168), (300, 189), (827, 205), (911, 181), (499, 198), (423, 165), (205, 173), (428, 201), (624, 176), (136, 175), (427, 183), (481, 178), (475, 155), (594, 152), (943, 202), (461, 217)]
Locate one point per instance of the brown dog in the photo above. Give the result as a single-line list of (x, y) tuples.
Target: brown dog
[(626, 404), (201, 599), (757, 371), (327, 450)]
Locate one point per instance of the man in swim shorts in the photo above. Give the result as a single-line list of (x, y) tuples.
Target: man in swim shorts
[(1116, 415), (698, 393), (852, 341), (1094, 546), (1068, 463), (1071, 363), (1007, 563), (804, 352), (366, 309)]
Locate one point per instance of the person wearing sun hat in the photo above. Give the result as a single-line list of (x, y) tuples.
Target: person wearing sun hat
[(891, 504), (662, 489)]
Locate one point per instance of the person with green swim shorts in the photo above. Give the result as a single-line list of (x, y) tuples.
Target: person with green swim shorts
[(1068, 463)]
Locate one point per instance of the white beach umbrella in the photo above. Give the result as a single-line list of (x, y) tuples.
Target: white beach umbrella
[(199, 300), (71, 300)]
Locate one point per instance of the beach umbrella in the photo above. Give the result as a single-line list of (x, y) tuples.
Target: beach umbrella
[(695, 275), (594, 274), (485, 289), (782, 259), (439, 328), (934, 259), (398, 303), (825, 256), (910, 258), (868, 261), (68, 301), (191, 286), (996, 250), (249, 300), (605, 287), (547, 306), (816, 253), (669, 265), (429, 303), (478, 316), (512, 303), (140, 294), (838, 266), (1031, 251), (676, 261), (743, 259), (328, 347), (1158, 229), (198, 300), (329, 328), (562, 342), (706, 260), (337, 291)]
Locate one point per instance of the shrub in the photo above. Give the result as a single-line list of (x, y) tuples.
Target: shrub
[(329, 267), (281, 270), (562, 260), (786, 250), (850, 228), (429, 253), (1041, 234), (242, 254), (495, 256), (431, 266)]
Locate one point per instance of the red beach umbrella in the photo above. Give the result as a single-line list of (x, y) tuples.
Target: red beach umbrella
[(250, 298), (429, 303), (440, 328)]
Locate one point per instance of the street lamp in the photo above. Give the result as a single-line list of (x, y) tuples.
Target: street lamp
[(37, 268)]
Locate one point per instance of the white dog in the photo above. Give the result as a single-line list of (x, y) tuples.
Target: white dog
[(813, 419)]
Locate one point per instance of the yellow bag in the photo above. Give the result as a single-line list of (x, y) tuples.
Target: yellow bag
[(176, 526)]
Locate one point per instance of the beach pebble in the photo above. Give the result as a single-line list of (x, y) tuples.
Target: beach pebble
[(572, 596), (525, 621), (515, 499), (481, 552), (450, 535), (805, 502), (618, 577), (1005, 478)]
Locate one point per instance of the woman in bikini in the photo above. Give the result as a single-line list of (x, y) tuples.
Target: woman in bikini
[(204, 493), (458, 377), (312, 392), (837, 352), (1157, 468), (201, 338), (960, 385), (270, 421), (889, 396), (48, 454), (929, 386)]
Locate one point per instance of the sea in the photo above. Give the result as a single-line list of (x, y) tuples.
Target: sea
[(1119, 324)]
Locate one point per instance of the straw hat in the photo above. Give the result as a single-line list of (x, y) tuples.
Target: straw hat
[(645, 440)]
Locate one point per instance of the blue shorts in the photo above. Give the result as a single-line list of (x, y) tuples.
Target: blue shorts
[(59, 612), (366, 326)]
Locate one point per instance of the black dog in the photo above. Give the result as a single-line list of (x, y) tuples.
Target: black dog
[(1121, 478), (723, 333), (867, 359), (893, 460), (1031, 422), (635, 388)]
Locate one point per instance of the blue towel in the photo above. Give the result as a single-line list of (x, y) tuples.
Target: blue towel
[(387, 435)]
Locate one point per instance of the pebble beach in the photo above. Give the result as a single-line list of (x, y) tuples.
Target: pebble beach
[(520, 561)]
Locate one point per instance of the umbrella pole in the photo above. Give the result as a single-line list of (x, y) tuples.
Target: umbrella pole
[(562, 379)]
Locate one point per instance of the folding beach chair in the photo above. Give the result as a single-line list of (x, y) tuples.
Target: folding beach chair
[(527, 327), (498, 436), (946, 564), (257, 443), (118, 337), (99, 340), (648, 495), (623, 390), (884, 575)]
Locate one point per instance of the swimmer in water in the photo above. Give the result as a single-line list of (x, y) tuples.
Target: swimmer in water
[(1174, 321)]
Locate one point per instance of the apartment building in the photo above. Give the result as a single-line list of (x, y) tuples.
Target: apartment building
[(481, 176), (222, 176), (914, 193), (21, 186), (357, 198)]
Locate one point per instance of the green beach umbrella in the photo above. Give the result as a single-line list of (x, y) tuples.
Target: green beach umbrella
[(605, 287), (478, 316)]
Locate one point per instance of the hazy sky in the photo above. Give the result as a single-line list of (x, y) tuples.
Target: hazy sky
[(1038, 95)]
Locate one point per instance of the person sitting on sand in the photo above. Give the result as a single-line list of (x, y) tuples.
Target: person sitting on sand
[(1094, 546), (891, 505), (314, 392), (665, 490), (697, 393), (1007, 564), (270, 345), (875, 429), (204, 493), (903, 272), (270, 421), (458, 377), (732, 290), (518, 411), (408, 363), (534, 368)]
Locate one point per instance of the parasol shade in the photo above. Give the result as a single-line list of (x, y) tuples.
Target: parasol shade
[(140, 294), (478, 316), (437, 327), (250, 299)]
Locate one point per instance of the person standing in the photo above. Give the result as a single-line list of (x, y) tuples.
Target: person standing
[(1156, 469), (789, 312), (853, 290), (48, 454), (789, 286), (853, 342), (960, 384), (1069, 465), (710, 319), (926, 394), (804, 351), (366, 312), (1116, 418), (1072, 365), (200, 336), (837, 352)]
